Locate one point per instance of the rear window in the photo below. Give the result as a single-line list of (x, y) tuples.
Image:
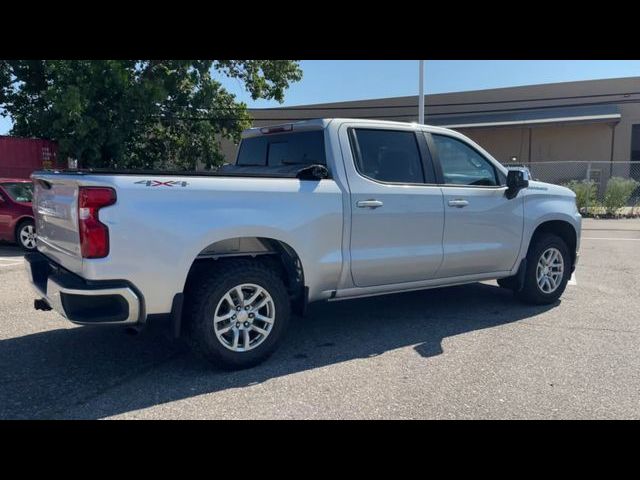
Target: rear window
[(302, 148), (19, 191)]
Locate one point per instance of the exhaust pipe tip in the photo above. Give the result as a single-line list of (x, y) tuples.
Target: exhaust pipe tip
[(41, 304)]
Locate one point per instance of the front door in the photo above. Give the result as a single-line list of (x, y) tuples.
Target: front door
[(397, 212), (5, 217), (483, 228)]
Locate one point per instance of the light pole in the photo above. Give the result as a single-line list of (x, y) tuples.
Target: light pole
[(421, 94)]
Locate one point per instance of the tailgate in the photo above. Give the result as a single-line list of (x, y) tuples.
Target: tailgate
[(56, 216)]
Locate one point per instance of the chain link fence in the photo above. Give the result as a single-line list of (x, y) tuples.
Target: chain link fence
[(602, 188)]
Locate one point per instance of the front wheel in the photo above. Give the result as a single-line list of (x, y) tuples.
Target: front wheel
[(238, 314), (548, 270), (26, 235)]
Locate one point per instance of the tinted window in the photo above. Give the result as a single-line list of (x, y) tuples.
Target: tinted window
[(19, 191), (635, 143), (462, 165), (388, 156), (303, 148), (277, 153)]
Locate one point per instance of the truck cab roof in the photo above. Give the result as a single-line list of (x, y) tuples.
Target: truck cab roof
[(322, 123)]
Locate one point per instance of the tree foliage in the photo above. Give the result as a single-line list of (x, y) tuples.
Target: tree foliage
[(137, 113)]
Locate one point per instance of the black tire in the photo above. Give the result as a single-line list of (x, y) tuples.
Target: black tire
[(203, 301), (24, 224), (531, 292)]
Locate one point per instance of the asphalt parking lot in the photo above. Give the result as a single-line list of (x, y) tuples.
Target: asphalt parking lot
[(466, 352)]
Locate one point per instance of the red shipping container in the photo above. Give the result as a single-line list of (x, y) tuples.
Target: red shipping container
[(20, 157)]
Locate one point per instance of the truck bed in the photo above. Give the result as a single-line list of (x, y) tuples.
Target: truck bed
[(228, 170)]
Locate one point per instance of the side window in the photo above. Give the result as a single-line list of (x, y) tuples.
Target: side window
[(388, 155), (462, 165)]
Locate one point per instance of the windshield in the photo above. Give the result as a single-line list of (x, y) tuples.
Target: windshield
[(19, 191)]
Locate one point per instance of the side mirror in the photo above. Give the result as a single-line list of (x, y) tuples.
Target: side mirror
[(313, 172), (517, 179)]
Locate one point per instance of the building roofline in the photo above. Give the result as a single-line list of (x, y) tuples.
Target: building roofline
[(589, 119), (509, 91), (551, 85)]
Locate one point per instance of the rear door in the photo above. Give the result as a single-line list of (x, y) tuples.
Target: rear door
[(483, 228), (396, 208)]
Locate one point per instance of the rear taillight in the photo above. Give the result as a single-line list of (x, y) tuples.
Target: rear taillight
[(94, 235)]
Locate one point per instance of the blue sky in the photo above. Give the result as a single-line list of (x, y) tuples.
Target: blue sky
[(340, 80)]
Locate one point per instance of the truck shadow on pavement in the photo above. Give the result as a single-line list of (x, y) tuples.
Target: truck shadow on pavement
[(82, 372)]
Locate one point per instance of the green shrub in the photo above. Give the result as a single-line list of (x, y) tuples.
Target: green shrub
[(618, 193), (585, 191), (596, 209)]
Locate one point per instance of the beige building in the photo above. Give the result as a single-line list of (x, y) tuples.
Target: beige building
[(586, 121)]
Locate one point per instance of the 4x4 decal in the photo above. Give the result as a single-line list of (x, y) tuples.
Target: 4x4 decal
[(158, 183)]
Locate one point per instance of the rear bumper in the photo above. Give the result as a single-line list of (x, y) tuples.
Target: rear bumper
[(81, 301)]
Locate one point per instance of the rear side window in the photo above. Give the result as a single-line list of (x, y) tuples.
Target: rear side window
[(19, 191), (302, 148), (388, 155)]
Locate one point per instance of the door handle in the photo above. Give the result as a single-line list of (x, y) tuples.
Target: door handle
[(458, 203), (369, 203)]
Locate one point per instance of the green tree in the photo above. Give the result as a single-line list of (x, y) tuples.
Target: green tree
[(137, 113)]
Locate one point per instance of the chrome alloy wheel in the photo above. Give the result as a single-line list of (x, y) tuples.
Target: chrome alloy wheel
[(244, 317), (28, 236), (550, 270)]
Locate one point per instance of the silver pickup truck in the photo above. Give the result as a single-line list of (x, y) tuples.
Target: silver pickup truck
[(328, 209)]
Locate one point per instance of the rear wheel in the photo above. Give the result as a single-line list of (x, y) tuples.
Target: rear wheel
[(238, 315), (548, 270), (26, 235)]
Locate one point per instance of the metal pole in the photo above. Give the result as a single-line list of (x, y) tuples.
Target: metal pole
[(421, 94), (588, 187)]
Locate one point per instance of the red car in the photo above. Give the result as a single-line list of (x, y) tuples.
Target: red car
[(16, 214)]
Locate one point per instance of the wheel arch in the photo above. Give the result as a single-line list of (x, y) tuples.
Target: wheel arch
[(562, 228), (21, 220), (18, 224), (273, 252)]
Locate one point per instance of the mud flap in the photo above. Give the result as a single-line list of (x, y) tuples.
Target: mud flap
[(519, 276)]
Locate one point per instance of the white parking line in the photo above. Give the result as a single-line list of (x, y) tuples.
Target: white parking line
[(611, 238), (9, 264)]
